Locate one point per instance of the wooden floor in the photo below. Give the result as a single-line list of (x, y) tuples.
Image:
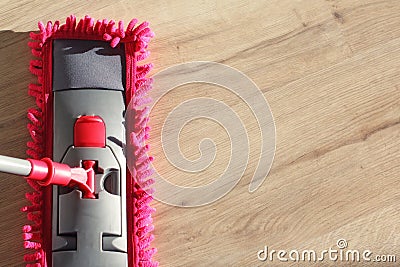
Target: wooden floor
[(330, 70)]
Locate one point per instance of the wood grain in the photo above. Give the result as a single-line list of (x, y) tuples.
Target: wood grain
[(330, 71)]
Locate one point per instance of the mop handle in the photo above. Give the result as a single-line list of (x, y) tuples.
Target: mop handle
[(15, 166), (46, 172)]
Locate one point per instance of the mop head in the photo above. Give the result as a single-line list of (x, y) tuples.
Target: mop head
[(132, 41)]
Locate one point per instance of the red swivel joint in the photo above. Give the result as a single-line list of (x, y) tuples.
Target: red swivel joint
[(46, 172)]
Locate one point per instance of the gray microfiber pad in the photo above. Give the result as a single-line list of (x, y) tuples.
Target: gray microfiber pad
[(87, 64)]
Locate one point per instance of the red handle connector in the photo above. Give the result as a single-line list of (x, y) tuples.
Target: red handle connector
[(46, 172)]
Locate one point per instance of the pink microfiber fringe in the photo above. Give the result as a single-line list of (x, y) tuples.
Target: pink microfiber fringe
[(135, 38)]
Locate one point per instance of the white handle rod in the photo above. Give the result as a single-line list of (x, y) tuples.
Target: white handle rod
[(15, 166)]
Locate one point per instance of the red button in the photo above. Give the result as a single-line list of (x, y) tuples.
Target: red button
[(89, 131)]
